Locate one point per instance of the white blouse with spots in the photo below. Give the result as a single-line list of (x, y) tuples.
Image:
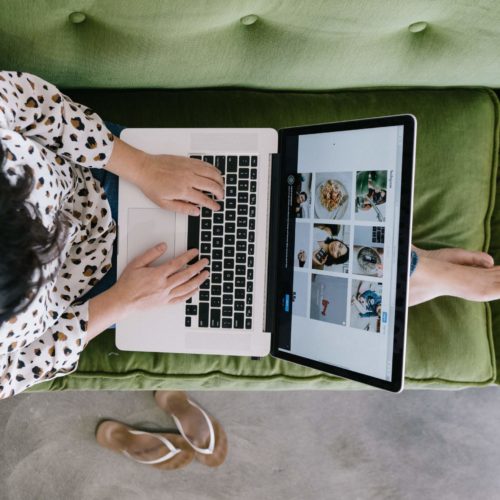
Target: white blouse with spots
[(60, 140)]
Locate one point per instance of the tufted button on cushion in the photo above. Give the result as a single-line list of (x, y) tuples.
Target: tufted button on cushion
[(77, 17), (417, 27), (248, 20)]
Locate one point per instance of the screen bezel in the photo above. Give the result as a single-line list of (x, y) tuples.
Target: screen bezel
[(288, 149)]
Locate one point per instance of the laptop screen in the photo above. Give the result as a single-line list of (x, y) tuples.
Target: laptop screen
[(346, 205)]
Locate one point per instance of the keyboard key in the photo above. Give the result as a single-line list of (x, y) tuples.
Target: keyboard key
[(241, 246), (239, 293), (251, 249), (239, 281), (216, 278), (206, 236), (227, 322), (250, 274), (239, 305), (218, 218), (204, 296), (228, 251), (241, 258), (228, 264), (244, 161), (230, 227), (253, 174), (231, 179), (203, 315), (218, 229), (228, 275), (230, 204), (251, 224), (206, 224), (253, 187), (241, 222), (253, 199), (254, 161), (217, 242), (187, 321), (215, 301), (249, 287), (248, 311), (205, 285), (230, 191), (243, 186), (240, 270), (227, 299), (206, 212), (209, 159), (229, 239), (230, 214), (196, 157), (249, 299), (243, 173), (251, 237), (232, 163), (220, 163), (250, 261), (217, 266), (241, 234), (242, 209), (227, 287), (215, 318), (205, 248), (248, 323), (191, 309), (216, 290), (216, 254), (242, 197), (238, 320), (227, 311)]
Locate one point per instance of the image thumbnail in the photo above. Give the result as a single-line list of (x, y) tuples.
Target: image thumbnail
[(371, 195), (368, 254), (303, 196), (366, 305), (301, 250), (328, 299), (331, 247), (332, 195), (299, 299)]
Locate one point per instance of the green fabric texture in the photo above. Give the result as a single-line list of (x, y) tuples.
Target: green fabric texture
[(449, 340), (306, 45)]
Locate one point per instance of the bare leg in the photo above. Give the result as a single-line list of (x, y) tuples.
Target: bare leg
[(439, 274)]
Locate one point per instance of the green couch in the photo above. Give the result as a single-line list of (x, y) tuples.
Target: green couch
[(191, 64)]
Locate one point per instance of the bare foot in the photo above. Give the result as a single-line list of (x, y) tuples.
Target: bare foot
[(458, 256)]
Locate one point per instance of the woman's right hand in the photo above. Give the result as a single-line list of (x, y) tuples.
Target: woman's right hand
[(142, 286)]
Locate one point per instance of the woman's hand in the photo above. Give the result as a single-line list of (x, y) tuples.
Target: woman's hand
[(179, 183), (142, 286)]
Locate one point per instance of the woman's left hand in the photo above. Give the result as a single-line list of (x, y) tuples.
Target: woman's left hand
[(180, 184)]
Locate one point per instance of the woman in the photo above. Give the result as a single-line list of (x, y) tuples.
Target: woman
[(329, 251), (57, 233)]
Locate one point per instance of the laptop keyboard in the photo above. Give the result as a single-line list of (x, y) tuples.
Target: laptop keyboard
[(227, 239)]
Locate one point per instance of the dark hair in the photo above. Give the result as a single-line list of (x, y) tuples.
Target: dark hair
[(305, 194), (25, 244), (330, 260)]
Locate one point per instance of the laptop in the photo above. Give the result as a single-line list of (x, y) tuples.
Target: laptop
[(308, 256)]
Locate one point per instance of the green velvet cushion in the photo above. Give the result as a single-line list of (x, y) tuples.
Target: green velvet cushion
[(450, 340), (294, 44)]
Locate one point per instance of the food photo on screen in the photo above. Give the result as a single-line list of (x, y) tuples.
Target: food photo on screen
[(332, 195)]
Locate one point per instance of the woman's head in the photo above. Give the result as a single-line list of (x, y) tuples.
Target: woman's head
[(25, 244), (338, 252)]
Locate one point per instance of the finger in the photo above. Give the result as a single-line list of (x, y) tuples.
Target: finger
[(198, 198), (206, 184), (211, 172), (189, 286), (174, 265), (149, 256), (184, 297), (181, 207), (180, 277)]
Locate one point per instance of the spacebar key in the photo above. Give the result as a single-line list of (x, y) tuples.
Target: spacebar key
[(203, 314), (238, 320)]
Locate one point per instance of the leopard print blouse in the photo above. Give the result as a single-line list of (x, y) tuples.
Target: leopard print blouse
[(60, 140)]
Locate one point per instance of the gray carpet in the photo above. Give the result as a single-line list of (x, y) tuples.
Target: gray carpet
[(283, 445)]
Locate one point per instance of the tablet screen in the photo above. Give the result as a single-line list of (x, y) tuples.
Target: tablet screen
[(344, 246)]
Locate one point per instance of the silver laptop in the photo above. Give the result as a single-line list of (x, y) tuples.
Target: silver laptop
[(335, 307)]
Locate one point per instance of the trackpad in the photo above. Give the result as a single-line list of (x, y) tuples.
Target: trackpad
[(146, 228)]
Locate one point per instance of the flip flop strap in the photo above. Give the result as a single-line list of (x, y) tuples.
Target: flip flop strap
[(173, 450), (211, 444)]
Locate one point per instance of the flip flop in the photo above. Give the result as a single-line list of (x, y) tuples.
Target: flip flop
[(211, 451), (145, 447)]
